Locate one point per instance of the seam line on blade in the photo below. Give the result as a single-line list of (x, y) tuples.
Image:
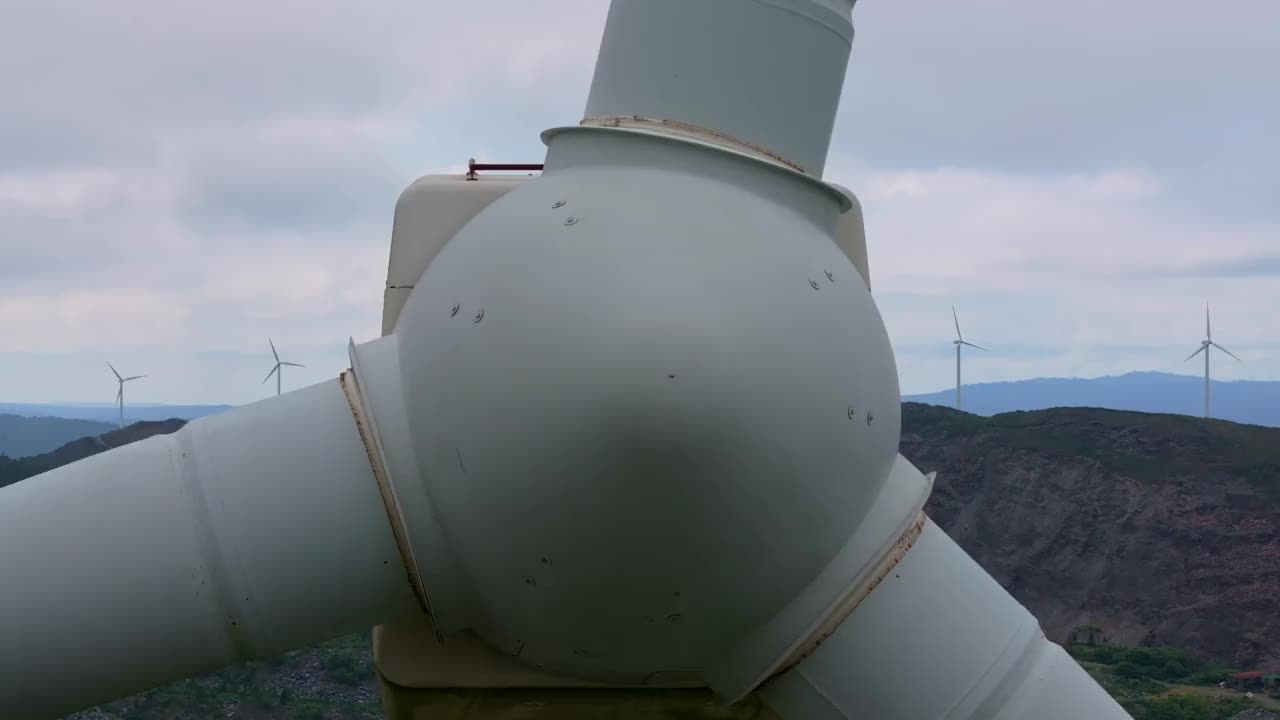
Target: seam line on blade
[(845, 608), (351, 390), (232, 614)]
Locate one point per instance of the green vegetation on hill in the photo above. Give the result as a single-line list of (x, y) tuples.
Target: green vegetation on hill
[(1126, 441), (1155, 683), (331, 681), (336, 681), (1168, 665), (1186, 707)]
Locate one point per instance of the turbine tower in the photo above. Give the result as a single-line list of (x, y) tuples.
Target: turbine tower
[(958, 342), (1204, 348), (279, 363), (120, 392)]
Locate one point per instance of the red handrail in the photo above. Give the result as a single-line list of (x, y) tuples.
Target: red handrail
[(473, 167)]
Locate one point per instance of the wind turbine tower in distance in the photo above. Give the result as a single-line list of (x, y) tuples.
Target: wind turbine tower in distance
[(279, 363), (120, 392), (958, 342), (1204, 348)]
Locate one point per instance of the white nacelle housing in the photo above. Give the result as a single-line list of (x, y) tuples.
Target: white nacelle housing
[(430, 212), (435, 207)]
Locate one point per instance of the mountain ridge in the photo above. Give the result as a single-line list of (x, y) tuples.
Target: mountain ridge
[(1255, 402), (22, 436), (110, 413), (13, 470)]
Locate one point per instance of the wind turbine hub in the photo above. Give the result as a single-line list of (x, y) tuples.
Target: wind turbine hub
[(661, 489)]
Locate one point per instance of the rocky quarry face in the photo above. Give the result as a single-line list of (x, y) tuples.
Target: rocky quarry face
[(1159, 529)]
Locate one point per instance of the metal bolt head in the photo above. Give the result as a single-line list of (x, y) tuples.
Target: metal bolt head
[(558, 204), (571, 220)]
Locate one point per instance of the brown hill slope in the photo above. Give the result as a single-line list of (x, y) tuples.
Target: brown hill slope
[(1161, 529)]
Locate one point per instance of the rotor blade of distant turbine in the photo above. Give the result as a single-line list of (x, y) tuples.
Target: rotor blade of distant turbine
[(273, 350), (1208, 334), (273, 372), (292, 364), (1224, 350), (1197, 352), (966, 342), (113, 369), (957, 320), (120, 393), (135, 377)]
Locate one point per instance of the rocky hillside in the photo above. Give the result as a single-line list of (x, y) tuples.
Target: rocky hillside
[(1160, 529)]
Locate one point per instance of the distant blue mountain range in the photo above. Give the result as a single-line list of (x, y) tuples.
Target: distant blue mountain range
[(105, 412), (1256, 402)]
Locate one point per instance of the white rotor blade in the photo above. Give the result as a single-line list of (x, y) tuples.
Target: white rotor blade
[(145, 626), (1208, 334), (1197, 352), (273, 372), (273, 350), (113, 369), (135, 377), (292, 364), (957, 321), (869, 667), (120, 394), (966, 342), (1224, 350)]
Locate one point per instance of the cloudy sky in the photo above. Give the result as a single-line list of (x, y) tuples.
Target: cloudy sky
[(180, 180)]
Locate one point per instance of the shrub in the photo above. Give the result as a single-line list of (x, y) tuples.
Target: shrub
[(346, 667), (1185, 707), (1152, 663)]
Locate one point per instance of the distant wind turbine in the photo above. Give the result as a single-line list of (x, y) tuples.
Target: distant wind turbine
[(958, 342), (279, 363), (1204, 348), (120, 392)]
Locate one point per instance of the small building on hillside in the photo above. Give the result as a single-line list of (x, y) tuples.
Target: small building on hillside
[(1252, 680)]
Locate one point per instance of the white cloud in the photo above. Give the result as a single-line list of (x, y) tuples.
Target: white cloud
[(1059, 276), (180, 180)]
